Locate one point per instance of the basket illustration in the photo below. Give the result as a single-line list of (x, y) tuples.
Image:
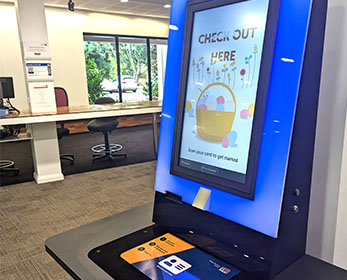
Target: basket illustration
[(212, 126)]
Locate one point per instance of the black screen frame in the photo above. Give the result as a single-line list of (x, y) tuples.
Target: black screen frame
[(7, 87), (247, 189)]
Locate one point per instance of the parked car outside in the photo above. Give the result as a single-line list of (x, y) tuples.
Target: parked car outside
[(128, 83)]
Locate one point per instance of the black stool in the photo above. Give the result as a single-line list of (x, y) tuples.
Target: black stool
[(61, 132), (105, 125)]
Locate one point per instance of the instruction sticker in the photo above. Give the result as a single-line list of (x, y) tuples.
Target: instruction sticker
[(36, 50), (168, 257), (38, 70)]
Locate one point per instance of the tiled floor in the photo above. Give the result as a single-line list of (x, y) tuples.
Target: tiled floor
[(30, 213)]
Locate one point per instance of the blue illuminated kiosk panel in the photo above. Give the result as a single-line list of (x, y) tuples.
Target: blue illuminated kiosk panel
[(239, 117), (236, 141)]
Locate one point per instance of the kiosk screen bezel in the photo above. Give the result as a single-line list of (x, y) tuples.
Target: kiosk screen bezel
[(247, 189)]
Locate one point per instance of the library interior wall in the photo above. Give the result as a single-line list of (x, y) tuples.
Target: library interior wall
[(340, 247), (11, 64), (65, 34)]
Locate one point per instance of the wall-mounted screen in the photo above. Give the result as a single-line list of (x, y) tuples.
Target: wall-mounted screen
[(225, 72)]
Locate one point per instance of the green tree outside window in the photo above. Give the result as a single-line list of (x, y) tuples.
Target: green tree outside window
[(94, 78)]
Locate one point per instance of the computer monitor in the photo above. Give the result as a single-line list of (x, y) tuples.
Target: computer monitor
[(6, 87), (223, 92)]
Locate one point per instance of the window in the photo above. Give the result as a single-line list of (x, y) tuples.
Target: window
[(138, 62), (134, 64)]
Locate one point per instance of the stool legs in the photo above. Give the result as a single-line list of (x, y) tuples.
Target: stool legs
[(7, 167), (70, 158), (107, 142), (107, 153)]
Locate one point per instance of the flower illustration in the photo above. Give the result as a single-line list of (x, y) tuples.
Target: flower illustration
[(213, 62), (224, 70), (248, 62), (208, 71), (242, 73), (193, 63), (198, 70), (229, 79), (234, 74), (217, 74), (202, 63), (255, 49)]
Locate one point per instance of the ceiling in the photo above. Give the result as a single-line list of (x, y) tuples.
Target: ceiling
[(149, 8), (152, 8)]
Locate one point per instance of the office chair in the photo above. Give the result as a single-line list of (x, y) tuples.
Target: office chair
[(105, 125), (7, 167), (62, 100)]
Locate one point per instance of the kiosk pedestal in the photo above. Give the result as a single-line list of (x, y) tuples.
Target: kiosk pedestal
[(235, 157)]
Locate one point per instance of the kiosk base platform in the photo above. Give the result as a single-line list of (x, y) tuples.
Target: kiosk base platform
[(71, 250), (153, 253)]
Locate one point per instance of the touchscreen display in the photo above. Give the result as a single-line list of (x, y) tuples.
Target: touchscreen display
[(221, 89), (169, 257)]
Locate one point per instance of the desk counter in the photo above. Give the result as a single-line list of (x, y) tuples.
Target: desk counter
[(83, 112), (45, 148)]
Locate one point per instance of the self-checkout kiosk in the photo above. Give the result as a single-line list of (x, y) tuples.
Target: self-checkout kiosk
[(236, 144)]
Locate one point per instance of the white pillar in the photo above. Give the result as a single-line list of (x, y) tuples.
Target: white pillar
[(33, 36), (161, 62), (45, 148), (40, 87)]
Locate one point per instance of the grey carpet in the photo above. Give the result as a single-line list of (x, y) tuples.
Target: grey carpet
[(31, 213)]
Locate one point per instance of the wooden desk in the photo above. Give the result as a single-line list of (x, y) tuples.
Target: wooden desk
[(84, 112), (45, 146)]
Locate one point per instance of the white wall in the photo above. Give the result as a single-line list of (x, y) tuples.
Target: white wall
[(329, 138), (65, 34), (340, 249), (11, 64)]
